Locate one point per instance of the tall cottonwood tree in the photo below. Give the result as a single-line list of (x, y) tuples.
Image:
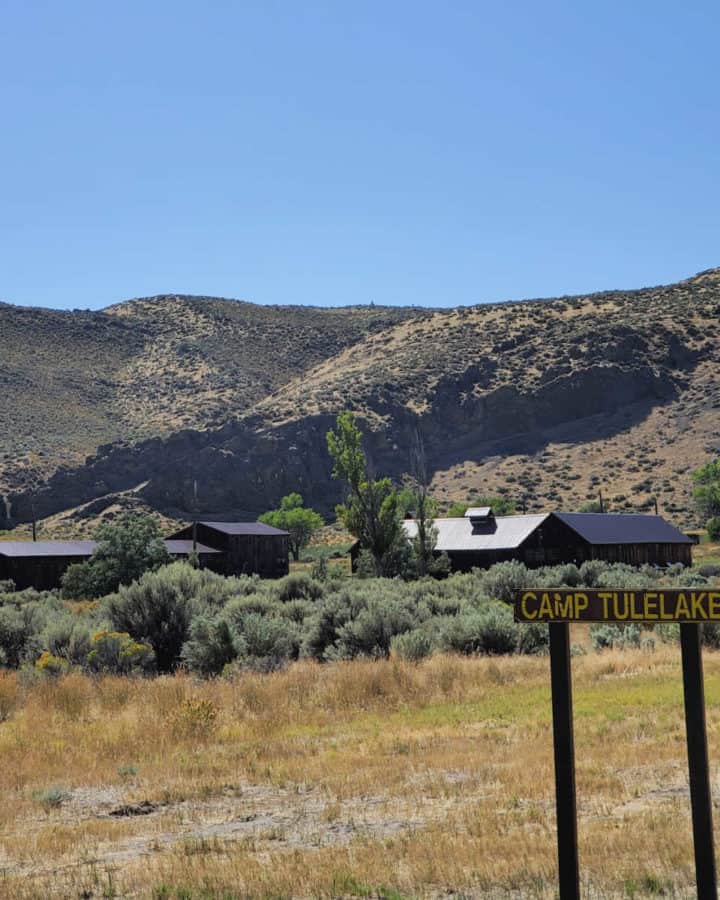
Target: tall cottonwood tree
[(370, 512)]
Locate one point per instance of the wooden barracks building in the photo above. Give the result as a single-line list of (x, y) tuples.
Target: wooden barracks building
[(479, 539), (231, 548)]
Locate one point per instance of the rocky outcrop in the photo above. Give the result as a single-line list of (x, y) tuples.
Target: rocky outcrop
[(245, 468)]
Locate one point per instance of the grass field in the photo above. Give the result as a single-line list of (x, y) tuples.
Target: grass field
[(360, 779)]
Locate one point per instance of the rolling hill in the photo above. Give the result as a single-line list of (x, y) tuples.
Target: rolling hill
[(546, 401)]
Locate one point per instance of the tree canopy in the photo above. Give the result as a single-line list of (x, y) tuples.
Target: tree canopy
[(370, 512), (706, 492), (293, 517), (126, 550)]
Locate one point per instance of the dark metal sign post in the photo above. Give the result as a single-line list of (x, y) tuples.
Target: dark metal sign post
[(687, 607), (698, 762), (564, 747)]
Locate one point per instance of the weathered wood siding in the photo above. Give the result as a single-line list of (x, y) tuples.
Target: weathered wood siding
[(266, 555), (42, 572)]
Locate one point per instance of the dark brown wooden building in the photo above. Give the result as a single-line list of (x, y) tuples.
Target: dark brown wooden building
[(479, 539), (247, 548), (42, 564)]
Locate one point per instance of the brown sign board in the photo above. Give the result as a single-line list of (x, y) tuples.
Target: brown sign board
[(660, 605)]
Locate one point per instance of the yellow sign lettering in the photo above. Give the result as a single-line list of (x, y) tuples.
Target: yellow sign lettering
[(681, 610), (697, 605), (528, 595), (546, 610)]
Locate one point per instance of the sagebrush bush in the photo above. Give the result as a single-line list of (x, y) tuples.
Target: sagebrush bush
[(533, 638), (156, 610), (209, 623), (371, 631), (591, 570), (503, 580), (20, 629), (68, 638), (211, 645), (267, 642), (489, 630), (608, 636), (298, 587), (413, 645), (116, 653)]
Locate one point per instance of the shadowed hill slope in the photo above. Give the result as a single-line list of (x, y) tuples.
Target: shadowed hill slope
[(545, 401)]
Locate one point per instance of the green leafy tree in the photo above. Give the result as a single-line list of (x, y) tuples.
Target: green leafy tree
[(425, 510), (501, 506), (125, 551), (370, 512), (706, 492), (298, 520)]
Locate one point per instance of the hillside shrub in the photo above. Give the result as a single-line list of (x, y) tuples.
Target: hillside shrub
[(267, 642), (322, 629), (117, 653), (591, 570), (413, 645), (20, 629), (605, 637), (490, 630), (155, 610), (48, 664), (710, 635), (298, 587), (68, 639), (371, 631), (691, 578), (624, 577), (504, 579), (533, 638), (211, 646)]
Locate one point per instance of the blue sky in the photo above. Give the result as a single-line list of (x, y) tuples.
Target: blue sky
[(332, 153)]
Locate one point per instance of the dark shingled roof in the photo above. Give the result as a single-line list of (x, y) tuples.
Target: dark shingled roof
[(623, 528), (243, 528), (31, 549)]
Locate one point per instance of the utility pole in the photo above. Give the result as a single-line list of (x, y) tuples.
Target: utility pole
[(600, 497), (194, 519)]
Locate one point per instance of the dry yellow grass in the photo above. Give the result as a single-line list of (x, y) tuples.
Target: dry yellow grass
[(356, 779)]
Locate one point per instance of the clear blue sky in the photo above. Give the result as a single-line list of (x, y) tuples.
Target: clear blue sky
[(342, 152)]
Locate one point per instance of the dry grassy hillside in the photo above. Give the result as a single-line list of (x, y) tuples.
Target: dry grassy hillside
[(73, 381), (546, 401)]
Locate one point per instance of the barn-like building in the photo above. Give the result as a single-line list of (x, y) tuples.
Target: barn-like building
[(479, 539), (247, 548), (232, 548)]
